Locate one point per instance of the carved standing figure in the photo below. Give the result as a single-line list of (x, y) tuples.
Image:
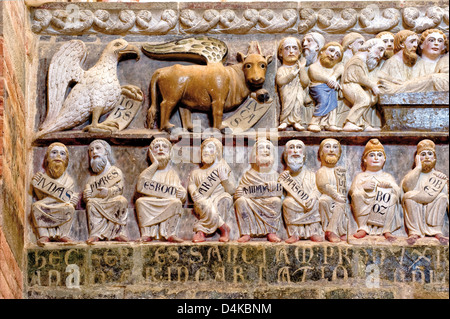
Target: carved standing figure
[(52, 213), (258, 195), (360, 89), (301, 203), (211, 190), (426, 198), (375, 195), (312, 43), (106, 207), (291, 80), (211, 88), (332, 184), (159, 210), (96, 90), (388, 39), (324, 75)]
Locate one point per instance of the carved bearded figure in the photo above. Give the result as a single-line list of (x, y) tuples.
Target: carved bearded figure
[(375, 195), (360, 89), (425, 201), (301, 203), (351, 43), (106, 207), (291, 80), (159, 210), (211, 190), (324, 76), (331, 183), (52, 213), (259, 215)]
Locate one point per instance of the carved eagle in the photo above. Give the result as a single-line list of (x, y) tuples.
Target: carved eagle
[(91, 92)]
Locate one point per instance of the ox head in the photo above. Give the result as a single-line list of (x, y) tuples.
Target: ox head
[(254, 65)]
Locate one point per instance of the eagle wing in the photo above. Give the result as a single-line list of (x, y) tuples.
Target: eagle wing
[(65, 69)]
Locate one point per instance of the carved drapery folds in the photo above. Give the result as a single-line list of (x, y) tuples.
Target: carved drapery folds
[(137, 19)]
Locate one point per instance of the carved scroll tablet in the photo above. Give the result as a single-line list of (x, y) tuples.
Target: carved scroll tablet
[(51, 187), (341, 181), (151, 188), (106, 181), (382, 202), (247, 115), (295, 190), (209, 184), (432, 187), (262, 190)]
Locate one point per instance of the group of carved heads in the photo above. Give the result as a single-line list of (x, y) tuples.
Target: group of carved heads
[(311, 205)]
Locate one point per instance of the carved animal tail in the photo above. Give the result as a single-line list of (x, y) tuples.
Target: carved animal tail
[(200, 50), (151, 113)]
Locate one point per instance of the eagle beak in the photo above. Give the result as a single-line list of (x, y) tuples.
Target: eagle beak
[(130, 50)]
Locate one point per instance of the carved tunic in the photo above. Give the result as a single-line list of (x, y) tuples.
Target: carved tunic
[(424, 214), (53, 218), (301, 221), (107, 216), (258, 216), (333, 213), (158, 217), (292, 96), (384, 204)]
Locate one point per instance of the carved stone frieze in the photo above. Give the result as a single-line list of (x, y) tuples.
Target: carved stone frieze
[(230, 18)]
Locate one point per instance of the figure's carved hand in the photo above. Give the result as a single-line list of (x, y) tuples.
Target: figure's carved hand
[(272, 186), (340, 199), (153, 157), (37, 177), (376, 90), (238, 193), (283, 175), (369, 185), (385, 184), (87, 194), (181, 193), (310, 204), (197, 197), (223, 173), (418, 162), (74, 200), (103, 192)]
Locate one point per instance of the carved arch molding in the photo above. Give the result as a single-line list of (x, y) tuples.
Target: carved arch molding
[(238, 18)]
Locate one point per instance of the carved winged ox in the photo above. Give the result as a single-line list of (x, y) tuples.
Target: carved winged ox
[(213, 87), (93, 92)]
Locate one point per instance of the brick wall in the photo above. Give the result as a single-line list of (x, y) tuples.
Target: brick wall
[(13, 145)]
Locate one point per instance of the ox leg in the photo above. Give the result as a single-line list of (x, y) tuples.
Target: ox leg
[(166, 108), (217, 113), (186, 119)]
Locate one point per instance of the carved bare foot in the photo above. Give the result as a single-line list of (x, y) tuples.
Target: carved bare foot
[(333, 128), (360, 234), (273, 238), (92, 240), (282, 126), (199, 237), (412, 239), (298, 127), (225, 233), (43, 240), (389, 237), (244, 239), (144, 239), (121, 238), (343, 237), (174, 239), (332, 237), (372, 129), (316, 238), (65, 239), (314, 128), (443, 240), (292, 239), (350, 127)]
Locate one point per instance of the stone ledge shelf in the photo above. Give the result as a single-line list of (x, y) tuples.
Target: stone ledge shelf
[(254, 270)]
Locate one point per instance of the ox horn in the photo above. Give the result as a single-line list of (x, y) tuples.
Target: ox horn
[(254, 48)]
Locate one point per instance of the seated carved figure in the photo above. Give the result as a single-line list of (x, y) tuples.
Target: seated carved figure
[(301, 203), (331, 182), (211, 190), (258, 196), (159, 210), (52, 213), (425, 201), (375, 195), (106, 207)]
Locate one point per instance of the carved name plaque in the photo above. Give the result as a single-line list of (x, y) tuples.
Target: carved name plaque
[(257, 191), (53, 188), (296, 191), (382, 202), (248, 114), (431, 189), (157, 189), (108, 180), (209, 184), (341, 180)]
